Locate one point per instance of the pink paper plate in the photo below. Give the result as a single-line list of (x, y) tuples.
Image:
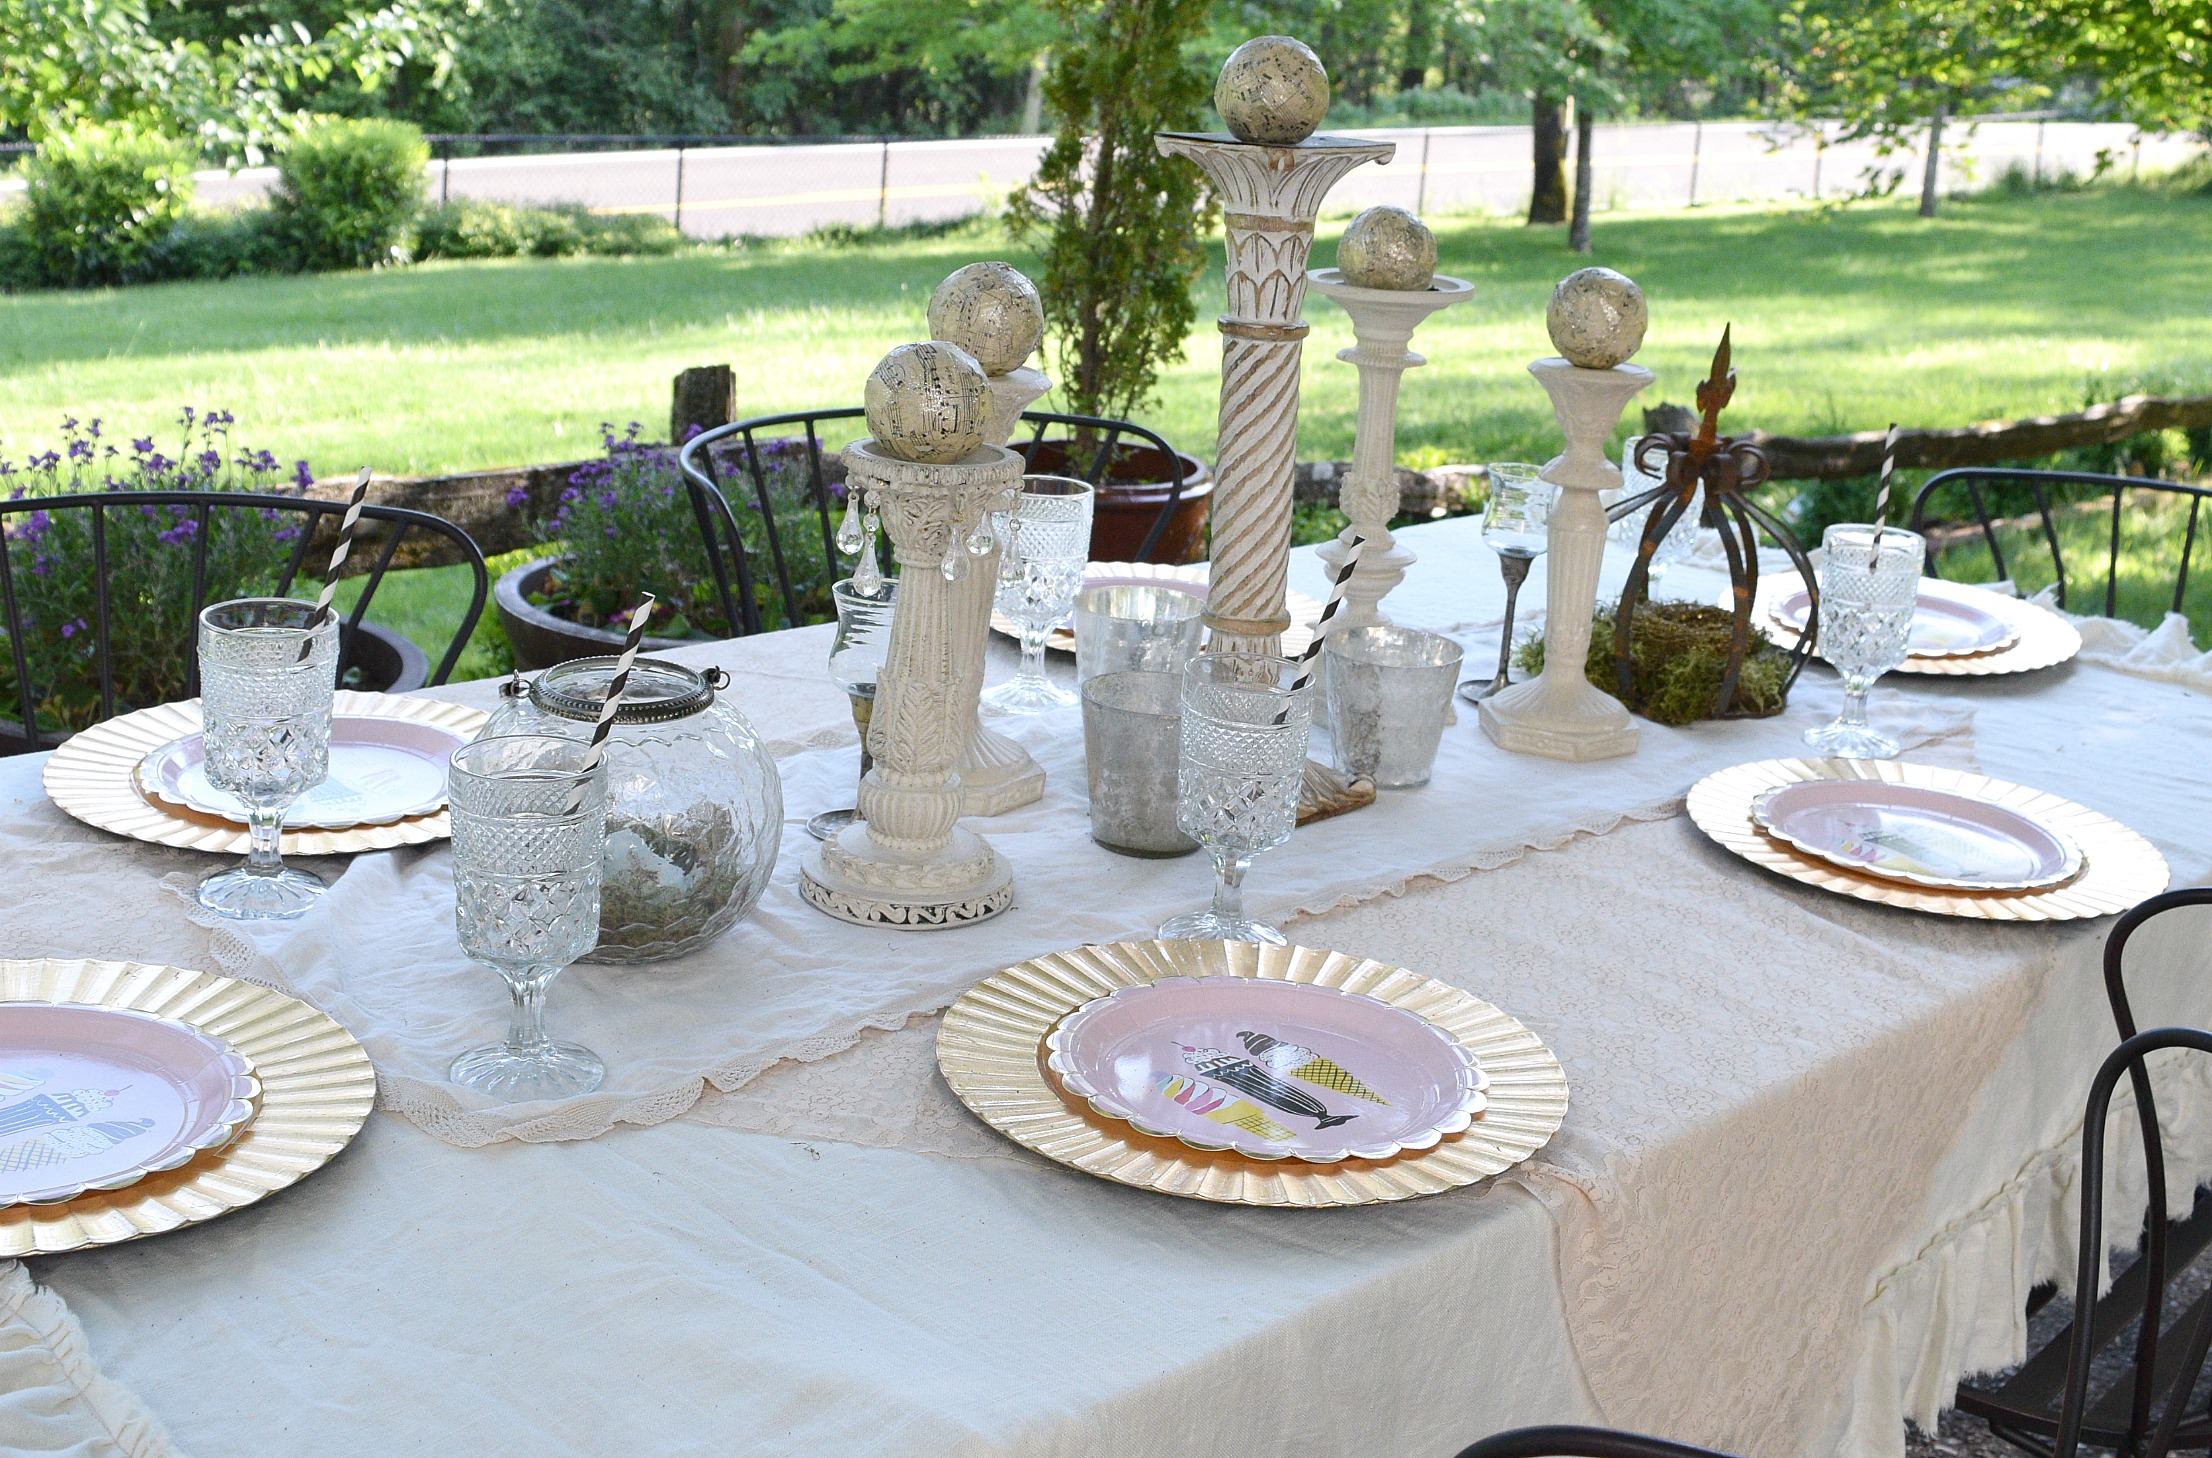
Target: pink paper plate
[(1923, 836), (1942, 626), (381, 770), (96, 1098), (1273, 1070)]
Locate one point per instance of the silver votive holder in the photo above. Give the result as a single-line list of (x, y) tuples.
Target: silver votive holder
[(1390, 690), (1132, 726), (1136, 628)]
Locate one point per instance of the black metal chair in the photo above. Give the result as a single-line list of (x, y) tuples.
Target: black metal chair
[(382, 531), (1563, 1441), (2044, 487), (743, 445), (2026, 1408)]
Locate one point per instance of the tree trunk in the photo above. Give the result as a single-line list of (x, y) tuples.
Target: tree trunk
[(1578, 233), (1033, 103), (1935, 160), (1547, 198), (1413, 63), (705, 397)]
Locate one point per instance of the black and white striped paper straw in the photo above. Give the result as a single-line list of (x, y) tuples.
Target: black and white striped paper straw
[(612, 703), (1329, 610), (1881, 492), (338, 554)]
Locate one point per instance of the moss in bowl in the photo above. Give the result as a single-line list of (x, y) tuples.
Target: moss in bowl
[(1677, 653)]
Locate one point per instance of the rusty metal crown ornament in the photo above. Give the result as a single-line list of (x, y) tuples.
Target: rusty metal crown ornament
[(1728, 468)]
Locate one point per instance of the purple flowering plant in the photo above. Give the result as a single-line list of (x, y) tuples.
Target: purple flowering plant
[(624, 524), (150, 551)]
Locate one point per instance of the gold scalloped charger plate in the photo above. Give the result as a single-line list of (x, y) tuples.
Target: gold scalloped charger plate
[(1304, 611), (2119, 867), (94, 777), (317, 1086), (2041, 638), (990, 1051)]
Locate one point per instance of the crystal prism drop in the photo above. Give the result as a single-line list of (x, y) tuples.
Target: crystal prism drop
[(866, 577), (955, 565), (848, 531), (981, 541)]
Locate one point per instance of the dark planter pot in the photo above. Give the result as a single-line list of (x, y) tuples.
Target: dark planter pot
[(540, 639), (1130, 498), (388, 663)]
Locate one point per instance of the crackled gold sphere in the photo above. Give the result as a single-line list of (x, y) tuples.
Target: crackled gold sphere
[(1597, 318), (991, 311), (1273, 90), (1387, 248), (926, 402)]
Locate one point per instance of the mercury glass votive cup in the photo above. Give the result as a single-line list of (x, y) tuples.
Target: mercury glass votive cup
[(1132, 727), (1241, 763), (1869, 586), (1390, 694), (1136, 628), (268, 671), (529, 832)]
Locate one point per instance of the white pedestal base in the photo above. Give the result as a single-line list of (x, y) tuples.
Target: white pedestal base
[(1514, 721), (854, 881), (996, 774)]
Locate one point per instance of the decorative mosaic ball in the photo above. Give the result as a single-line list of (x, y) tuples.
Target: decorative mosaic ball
[(1272, 90), (926, 402), (992, 312), (1597, 318), (1387, 248)]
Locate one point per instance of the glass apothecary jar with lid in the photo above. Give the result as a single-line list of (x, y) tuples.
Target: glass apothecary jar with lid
[(694, 802)]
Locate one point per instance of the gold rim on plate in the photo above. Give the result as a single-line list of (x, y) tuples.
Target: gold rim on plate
[(2044, 639), (317, 1087), (990, 1051), (1304, 611), (94, 777), (2120, 868)]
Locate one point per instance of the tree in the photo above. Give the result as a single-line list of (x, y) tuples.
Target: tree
[(1908, 68), (2152, 58), (1120, 227)]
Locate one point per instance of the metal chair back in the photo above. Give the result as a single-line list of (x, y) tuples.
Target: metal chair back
[(743, 445), (2044, 487), (397, 522)]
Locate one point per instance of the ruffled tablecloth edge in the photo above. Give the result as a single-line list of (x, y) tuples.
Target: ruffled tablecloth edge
[(43, 1325)]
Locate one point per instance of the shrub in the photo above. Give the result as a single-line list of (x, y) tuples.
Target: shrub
[(625, 525), (347, 191), (217, 245), (474, 229), (98, 200), (150, 552)]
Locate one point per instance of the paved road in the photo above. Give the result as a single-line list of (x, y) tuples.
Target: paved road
[(784, 191)]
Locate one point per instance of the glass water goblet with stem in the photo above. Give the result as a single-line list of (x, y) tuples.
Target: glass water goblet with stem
[(856, 659), (268, 670), (1869, 585), (1241, 762), (1044, 544), (1517, 525), (529, 828)]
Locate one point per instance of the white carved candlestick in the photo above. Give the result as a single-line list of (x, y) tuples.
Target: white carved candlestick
[(996, 774), (1560, 714), (1270, 197), (1383, 321), (907, 865)]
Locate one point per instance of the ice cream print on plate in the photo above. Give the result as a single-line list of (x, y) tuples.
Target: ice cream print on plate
[(1919, 835), (1268, 1069), (98, 1098)]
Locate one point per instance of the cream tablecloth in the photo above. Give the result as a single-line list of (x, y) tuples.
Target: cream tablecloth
[(1817, 1152)]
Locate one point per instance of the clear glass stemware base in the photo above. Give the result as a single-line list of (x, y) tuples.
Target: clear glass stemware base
[(1028, 694), (1846, 740), (826, 825), (1211, 926), (516, 1075), (250, 893)]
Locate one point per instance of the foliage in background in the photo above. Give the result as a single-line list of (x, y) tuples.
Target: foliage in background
[(1118, 225), (472, 229), (150, 556), (347, 192), (99, 200), (625, 526)]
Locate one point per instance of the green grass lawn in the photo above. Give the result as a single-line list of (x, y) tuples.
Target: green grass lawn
[(1844, 319)]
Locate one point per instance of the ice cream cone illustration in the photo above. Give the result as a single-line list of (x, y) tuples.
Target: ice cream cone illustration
[(1304, 1064), (1221, 1108), (1248, 1077)]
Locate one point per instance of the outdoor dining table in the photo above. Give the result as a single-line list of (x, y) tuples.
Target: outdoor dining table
[(1817, 1154)]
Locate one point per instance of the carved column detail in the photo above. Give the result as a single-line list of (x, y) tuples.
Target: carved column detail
[(907, 864)]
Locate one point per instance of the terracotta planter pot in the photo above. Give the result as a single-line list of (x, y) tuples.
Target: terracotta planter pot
[(1130, 498), (389, 663), (541, 639)]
